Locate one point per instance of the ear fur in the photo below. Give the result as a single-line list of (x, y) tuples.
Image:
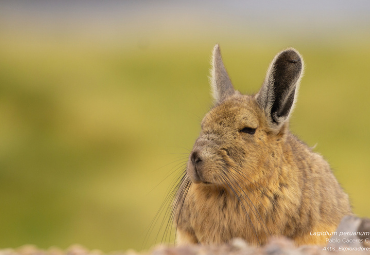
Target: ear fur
[(280, 88), (220, 81)]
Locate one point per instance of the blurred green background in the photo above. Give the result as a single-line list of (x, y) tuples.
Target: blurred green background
[(100, 102)]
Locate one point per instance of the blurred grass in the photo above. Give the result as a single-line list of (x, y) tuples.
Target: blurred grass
[(87, 130)]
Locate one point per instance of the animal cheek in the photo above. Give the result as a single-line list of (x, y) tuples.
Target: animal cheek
[(209, 169), (226, 157)]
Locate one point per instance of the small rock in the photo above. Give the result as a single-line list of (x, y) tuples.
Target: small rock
[(77, 250), (239, 243), (55, 251), (7, 252), (364, 232), (29, 250)]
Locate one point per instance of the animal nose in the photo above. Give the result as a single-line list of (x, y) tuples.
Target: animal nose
[(195, 158)]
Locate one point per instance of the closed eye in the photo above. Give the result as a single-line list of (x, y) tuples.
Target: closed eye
[(248, 130)]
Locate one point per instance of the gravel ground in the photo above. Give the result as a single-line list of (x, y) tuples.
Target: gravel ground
[(351, 228)]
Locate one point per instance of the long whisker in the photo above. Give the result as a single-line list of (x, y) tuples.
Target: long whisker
[(255, 209), (243, 198), (254, 185), (181, 198), (180, 195), (156, 217), (227, 181), (169, 210), (165, 204), (176, 168)]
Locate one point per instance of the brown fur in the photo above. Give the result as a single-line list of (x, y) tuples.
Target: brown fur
[(254, 186)]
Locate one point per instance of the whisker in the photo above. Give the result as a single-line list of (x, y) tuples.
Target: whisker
[(171, 191), (168, 213), (254, 185), (177, 167), (155, 219), (178, 194), (227, 181), (255, 209), (182, 198)]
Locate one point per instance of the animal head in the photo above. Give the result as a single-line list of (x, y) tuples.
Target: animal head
[(244, 134)]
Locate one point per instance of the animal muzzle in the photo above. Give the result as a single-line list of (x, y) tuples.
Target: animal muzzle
[(194, 168)]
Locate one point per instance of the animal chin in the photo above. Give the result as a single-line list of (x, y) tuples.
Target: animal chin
[(195, 176), (202, 182)]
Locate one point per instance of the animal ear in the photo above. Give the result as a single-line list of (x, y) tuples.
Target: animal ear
[(279, 90), (220, 81)]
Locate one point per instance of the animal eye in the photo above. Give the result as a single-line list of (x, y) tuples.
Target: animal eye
[(248, 130)]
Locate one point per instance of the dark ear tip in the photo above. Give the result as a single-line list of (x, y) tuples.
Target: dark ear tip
[(291, 56)]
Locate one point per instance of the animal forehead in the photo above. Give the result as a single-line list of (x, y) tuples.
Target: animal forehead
[(240, 111)]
